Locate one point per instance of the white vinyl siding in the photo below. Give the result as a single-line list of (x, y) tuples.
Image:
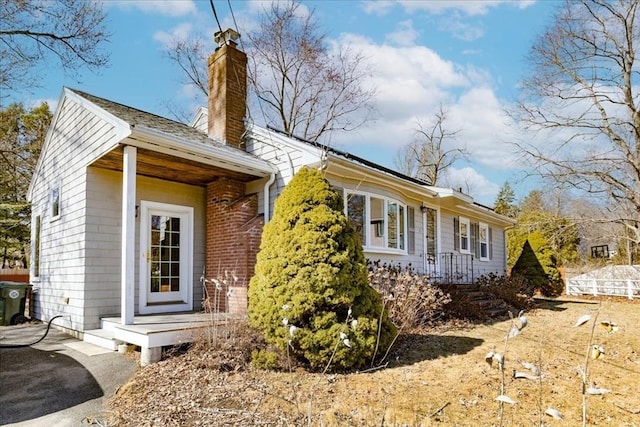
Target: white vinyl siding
[(494, 246), (80, 252), (79, 136), (286, 158), (104, 211)]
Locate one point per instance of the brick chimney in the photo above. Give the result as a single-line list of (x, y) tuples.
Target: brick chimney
[(227, 89)]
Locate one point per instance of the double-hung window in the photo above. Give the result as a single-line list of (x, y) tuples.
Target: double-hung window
[(483, 241), (465, 235), (472, 238)]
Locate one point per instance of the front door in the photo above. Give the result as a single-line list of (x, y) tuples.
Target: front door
[(166, 264)]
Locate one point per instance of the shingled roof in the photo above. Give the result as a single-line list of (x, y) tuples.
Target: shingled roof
[(135, 117)]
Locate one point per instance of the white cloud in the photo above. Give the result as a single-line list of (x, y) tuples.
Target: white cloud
[(471, 182), (405, 35), (378, 7), (411, 84), (161, 7), (485, 128), (460, 29), (181, 32), (191, 92), (472, 8), (523, 4)]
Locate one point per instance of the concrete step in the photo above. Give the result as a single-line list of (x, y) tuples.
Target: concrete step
[(487, 303), (109, 323), (101, 337), (497, 312)]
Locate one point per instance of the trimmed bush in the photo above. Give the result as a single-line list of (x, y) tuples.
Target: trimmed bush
[(310, 289), (537, 263)]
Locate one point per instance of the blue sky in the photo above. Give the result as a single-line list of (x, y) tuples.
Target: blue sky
[(467, 56)]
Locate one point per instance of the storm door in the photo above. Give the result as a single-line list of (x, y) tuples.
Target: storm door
[(166, 267)]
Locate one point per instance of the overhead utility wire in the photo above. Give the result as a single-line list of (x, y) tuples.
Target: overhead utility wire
[(249, 116), (215, 15)]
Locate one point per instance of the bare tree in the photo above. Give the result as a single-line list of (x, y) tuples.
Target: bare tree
[(432, 152), (33, 31), (304, 88), (582, 97), (310, 89)]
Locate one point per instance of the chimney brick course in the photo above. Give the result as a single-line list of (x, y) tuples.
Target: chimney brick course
[(227, 94)]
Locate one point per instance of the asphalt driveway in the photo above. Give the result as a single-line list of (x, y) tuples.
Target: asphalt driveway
[(60, 381)]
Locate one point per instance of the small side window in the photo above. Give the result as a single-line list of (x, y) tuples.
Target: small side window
[(54, 200)]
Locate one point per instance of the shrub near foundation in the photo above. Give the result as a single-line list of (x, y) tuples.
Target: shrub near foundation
[(310, 290)]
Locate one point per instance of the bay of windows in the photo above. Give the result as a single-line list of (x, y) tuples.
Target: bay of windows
[(379, 222)]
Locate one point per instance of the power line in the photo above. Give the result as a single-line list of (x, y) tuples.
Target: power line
[(215, 15), (235, 24)]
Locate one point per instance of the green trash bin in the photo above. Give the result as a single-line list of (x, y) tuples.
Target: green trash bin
[(13, 298)]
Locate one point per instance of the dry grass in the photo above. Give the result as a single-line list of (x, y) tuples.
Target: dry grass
[(435, 377)]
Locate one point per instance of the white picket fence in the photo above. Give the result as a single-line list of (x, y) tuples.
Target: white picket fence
[(611, 287)]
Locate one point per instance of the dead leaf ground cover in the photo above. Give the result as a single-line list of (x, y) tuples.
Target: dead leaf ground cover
[(434, 377)]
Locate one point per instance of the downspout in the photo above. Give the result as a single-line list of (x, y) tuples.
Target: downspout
[(424, 239), (267, 200)]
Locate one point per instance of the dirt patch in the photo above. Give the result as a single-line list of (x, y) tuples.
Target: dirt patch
[(434, 377)]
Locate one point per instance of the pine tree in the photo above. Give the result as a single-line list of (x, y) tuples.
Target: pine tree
[(505, 199), (22, 134)]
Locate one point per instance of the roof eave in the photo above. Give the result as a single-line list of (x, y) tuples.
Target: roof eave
[(348, 166), (146, 137)]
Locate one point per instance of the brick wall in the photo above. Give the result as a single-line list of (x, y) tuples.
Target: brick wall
[(228, 94), (232, 242)]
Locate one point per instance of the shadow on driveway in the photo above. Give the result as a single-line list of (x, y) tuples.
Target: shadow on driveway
[(35, 382), (59, 381)]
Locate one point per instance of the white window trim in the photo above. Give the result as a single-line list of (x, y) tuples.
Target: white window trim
[(485, 227), (463, 220), (386, 200), (143, 274), (56, 188)]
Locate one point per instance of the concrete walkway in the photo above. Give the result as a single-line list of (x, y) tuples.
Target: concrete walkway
[(61, 381)]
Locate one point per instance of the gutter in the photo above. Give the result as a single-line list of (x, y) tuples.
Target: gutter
[(223, 156)]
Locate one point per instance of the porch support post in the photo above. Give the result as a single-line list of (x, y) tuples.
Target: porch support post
[(128, 233)]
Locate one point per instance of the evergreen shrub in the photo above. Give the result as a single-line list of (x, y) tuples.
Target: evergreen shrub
[(310, 290), (538, 263)]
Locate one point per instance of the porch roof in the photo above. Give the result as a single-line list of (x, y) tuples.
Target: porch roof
[(171, 150)]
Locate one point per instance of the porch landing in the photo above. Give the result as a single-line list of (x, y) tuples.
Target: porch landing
[(152, 332)]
